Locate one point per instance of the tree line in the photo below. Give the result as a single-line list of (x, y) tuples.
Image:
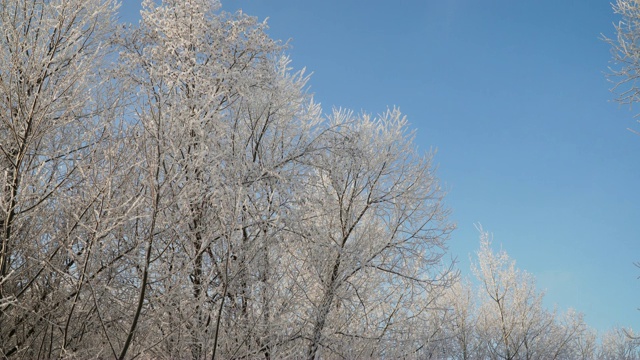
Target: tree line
[(171, 190)]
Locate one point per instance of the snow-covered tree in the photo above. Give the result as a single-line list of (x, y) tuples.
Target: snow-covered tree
[(460, 332), (225, 125), (620, 344), (56, 116), (373, 232), (512, 321), (184, 197), (625, 50)]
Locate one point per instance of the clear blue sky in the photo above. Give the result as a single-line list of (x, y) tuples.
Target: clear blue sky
[(513, 95)]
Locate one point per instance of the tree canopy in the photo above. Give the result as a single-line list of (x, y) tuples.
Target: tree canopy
[(171, 190)]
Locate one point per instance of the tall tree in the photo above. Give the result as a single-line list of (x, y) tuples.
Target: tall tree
[(226, 124), (192, 201), (373, 231), (53, 115)]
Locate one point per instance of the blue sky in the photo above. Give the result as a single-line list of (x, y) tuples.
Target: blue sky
[(514, 97)]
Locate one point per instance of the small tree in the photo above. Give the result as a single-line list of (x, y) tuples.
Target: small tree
[(620, 344), (512, 322)]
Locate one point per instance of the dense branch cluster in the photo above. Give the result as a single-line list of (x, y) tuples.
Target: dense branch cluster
[(625, 50), (170, 190)]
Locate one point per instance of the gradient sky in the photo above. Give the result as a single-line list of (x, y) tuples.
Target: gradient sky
[(514, 97)]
